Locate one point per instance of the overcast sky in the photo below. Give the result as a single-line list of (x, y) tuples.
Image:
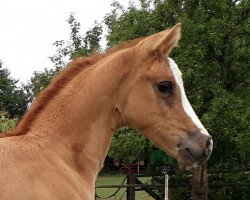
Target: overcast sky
[(28, 29)]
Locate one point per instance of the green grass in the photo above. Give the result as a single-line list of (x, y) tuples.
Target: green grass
[(117, 180)]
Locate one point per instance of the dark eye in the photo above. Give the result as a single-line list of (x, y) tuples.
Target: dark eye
[(165, 87)]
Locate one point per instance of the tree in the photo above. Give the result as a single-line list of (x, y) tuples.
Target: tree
[(128, 146), (78, 45), (13, 99), (213, 57), (6, 124), (128, 24), (39, 81)]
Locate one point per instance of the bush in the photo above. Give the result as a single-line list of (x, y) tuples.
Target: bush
[(6, 124)]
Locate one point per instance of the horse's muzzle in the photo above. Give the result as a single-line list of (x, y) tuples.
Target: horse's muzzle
[(196, 148)]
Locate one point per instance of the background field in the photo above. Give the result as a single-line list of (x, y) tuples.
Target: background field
[(117, 180)]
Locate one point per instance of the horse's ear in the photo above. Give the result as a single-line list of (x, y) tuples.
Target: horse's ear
[(166, 40)]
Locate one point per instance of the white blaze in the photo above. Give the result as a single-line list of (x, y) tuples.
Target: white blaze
[(185, 103)]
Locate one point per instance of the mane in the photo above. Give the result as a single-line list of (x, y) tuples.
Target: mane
[(59, 82)]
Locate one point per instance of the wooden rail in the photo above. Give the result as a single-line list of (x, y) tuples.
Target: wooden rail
[(170, 185)]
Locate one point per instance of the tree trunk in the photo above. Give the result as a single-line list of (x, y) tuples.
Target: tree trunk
[(200, 183)]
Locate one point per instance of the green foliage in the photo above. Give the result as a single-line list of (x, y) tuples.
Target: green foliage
[(92, 39), (175, 193), (13, 99), (215, 190), (78, 45), (6, 124), (128, 146), (237, 192), (213, 57), (230, 129), (128, 24), (39, 81)]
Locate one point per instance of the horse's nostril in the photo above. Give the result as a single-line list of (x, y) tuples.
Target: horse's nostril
[(207, 152), (198, 149), (209, 143)]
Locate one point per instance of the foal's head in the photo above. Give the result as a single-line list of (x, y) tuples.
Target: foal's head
[(156, 103)]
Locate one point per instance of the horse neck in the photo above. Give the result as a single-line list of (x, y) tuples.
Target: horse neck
[(82, 118)]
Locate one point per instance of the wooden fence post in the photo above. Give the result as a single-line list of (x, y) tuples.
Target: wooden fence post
[(200, 183), (130, 190)]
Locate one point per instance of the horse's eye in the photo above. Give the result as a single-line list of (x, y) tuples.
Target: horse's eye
[(165, 87)]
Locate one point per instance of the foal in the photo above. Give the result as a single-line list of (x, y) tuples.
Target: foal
[(59, 147)]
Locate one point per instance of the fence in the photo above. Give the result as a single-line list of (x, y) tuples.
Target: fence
[(199, 187), (133, 185)]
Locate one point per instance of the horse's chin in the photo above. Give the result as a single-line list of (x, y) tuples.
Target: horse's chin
[(187, 164)]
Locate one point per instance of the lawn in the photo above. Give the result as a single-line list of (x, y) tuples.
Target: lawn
[(117, 180)]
